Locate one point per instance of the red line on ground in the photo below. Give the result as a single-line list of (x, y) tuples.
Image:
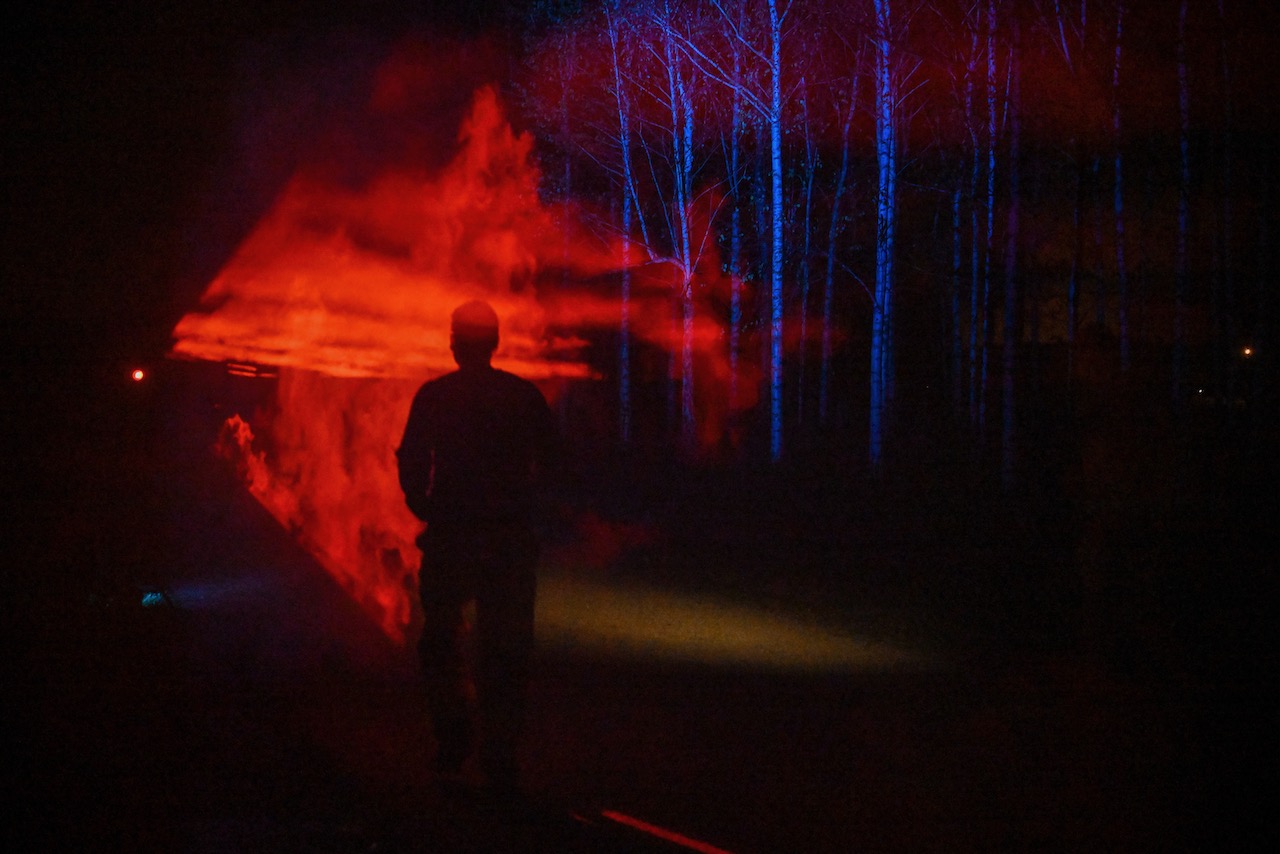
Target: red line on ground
[(662, 833)]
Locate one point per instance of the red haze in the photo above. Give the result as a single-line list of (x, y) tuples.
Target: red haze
[(346, 288)]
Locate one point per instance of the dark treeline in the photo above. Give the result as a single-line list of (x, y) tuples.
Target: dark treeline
[(909, 218)]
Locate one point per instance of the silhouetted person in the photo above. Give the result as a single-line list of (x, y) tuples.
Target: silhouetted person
[(472, 448)]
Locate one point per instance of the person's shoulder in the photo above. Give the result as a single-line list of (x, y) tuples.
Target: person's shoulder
[(515, 380), (435, 385), (524, 390)]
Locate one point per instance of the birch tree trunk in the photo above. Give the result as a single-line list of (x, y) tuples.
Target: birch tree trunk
[(810, 170), (833, 232), (976, 307), (1226, 239), (1008, 450), (735, 233), (1122, 272), (775, 201), (886, 197), (629, 200), (989, 236), (955, 335), (1181, 284)]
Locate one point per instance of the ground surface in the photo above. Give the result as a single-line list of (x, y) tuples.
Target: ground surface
[(255, 708)]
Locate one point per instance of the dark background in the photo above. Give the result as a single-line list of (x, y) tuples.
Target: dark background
[(122, 198)]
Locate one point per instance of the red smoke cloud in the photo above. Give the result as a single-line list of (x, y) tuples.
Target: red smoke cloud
[(347, 286), (359, 282)]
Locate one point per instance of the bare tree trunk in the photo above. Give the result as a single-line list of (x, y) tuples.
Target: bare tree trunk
[(1100, 278), (688, 417), (776, 202), (1077, 262), (810, 169), (953, 297), (1226, 238), (1008, 450), (624, 328), (629, 199), (989, 237), (678, 101), (1180, 366), (1122, 272), (833, 232), (975, 242), (886, 199), (735, 234)]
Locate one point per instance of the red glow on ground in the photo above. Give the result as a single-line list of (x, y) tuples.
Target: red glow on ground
[(662, 833), (342, 294)]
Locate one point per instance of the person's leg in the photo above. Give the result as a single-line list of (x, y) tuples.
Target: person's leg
[(505, 637), (444, 591)]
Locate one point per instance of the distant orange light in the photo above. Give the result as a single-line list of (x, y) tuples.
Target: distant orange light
[(138, 375), (1248, 351)]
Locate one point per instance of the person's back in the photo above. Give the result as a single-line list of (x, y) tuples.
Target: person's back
[(477, 434)]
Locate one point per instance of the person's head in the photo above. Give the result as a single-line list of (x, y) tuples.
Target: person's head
[(473, 333)]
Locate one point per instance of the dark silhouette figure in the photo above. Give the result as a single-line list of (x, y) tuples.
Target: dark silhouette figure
[(474, 443)]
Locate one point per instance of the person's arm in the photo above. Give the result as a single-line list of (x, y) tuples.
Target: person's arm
[(546, 447), (414, 459)]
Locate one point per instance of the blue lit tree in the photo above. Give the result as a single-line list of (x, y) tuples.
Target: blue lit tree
[(1122, 269), (1011, 126), (760, 37), (1181, 288), (846, 103), (1011, 332), (889, 35)]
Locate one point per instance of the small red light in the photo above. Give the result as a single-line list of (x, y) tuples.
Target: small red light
[(138, 375)]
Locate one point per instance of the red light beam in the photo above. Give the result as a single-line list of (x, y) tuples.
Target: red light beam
[(662, 833)]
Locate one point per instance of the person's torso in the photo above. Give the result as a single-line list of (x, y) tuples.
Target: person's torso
[(484, 432)]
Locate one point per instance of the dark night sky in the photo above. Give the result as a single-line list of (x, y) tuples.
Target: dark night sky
[(119, 126)]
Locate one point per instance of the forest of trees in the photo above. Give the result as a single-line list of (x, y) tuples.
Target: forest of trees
[(900, 209)]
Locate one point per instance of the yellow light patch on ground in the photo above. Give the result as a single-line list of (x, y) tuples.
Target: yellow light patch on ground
[(641, 621)]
